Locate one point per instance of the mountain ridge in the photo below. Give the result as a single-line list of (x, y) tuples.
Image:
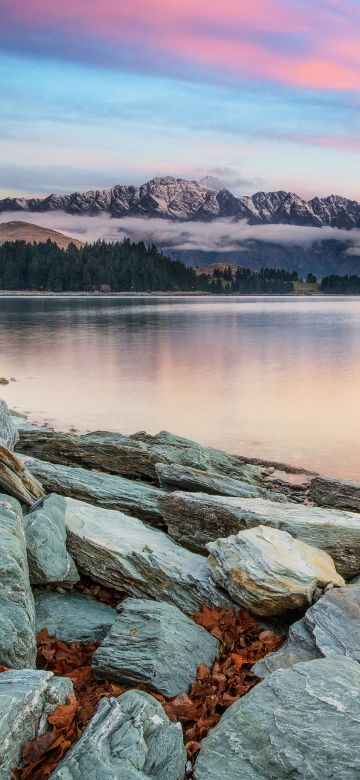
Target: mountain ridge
[(16, 230), (189, 200)]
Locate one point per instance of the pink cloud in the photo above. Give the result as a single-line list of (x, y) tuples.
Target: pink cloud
[(298, 43)]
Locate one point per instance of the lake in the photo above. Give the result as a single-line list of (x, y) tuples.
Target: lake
[(269, 377)]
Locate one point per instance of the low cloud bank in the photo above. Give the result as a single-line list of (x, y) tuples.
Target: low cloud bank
[(223, 235)]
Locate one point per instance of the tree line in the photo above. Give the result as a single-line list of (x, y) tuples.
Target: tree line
[(121, 267), (117, 267), (127, 266), (341, 285), (246, 281)]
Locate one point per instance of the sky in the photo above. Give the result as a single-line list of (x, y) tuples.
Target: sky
[(264, 94)]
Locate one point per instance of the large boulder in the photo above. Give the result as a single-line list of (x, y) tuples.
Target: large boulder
[(155, 645), (194, 519), (339, 493), (72, 617), (124, 553), (27, 698), (268, 572), (17, 613), (301, 722), (106, 490), (129, 738), (48, 558), (16, 480), (175, 476), (330, 627), (8, 431)]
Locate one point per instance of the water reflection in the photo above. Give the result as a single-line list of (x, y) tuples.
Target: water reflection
[(271, 377)]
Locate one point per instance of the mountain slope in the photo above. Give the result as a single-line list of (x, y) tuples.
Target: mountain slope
[(26, 231), (322, 257), (179, 199)]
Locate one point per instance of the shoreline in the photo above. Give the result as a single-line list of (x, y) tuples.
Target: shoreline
[(158, 294), (204, 556), (279, 469)]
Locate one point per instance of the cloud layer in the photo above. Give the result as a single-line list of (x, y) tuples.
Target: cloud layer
[(220, 235), (297, 43), (95, 94)]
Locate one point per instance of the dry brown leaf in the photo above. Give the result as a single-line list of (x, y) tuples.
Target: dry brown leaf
[(242, 643)]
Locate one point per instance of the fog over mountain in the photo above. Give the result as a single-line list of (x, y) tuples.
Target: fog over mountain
[(201, 224)]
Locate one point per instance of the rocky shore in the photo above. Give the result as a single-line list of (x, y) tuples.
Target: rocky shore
[(214, 604)]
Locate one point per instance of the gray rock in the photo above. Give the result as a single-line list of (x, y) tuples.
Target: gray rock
[(155, 645), (130, 456), (175, 476), (48, 559), (17, 614), (268, 572), (72, 617), (339, 493), (194, 519), (8, 432), (329, 627), (106, 490), (27, 698), (129, 738), (16, 480), (124, 553), (354, 580), (102, 450), (175, 449), (301, 722)]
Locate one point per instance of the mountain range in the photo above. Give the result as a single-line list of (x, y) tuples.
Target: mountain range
[(180, 199), (200, 202)]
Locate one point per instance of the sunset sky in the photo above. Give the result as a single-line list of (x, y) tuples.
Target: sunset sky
[(263, 94)]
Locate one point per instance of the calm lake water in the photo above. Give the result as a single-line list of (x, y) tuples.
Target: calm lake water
[(277, 378)]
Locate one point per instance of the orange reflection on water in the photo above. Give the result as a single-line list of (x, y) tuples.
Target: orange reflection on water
[(265, 377)]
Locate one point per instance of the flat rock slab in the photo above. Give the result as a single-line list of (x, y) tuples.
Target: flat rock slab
[(106, 490), (124, 553), (16, 480), (301, 722), (72, 617), (268, 572), (102, 450), (8, 431), (17, 613), (339, 493), (48, 558), (129, 456), (176, 476), (27, 698), (155, 645), (175, 449), (194, 519), (129, 738), (330, 627)]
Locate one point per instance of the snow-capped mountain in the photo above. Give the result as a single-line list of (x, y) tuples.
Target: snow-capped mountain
[(180, 199)]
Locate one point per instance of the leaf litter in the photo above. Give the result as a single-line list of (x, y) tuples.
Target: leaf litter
[(243, 641)]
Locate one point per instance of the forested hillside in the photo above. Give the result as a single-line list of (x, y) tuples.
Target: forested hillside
[(134, 267), (101, 266)]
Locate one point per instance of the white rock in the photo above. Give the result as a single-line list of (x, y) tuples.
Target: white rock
[(269, 572), (122, 552)]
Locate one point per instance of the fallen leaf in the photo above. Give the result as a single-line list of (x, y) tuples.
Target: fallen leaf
[(242, 643)]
